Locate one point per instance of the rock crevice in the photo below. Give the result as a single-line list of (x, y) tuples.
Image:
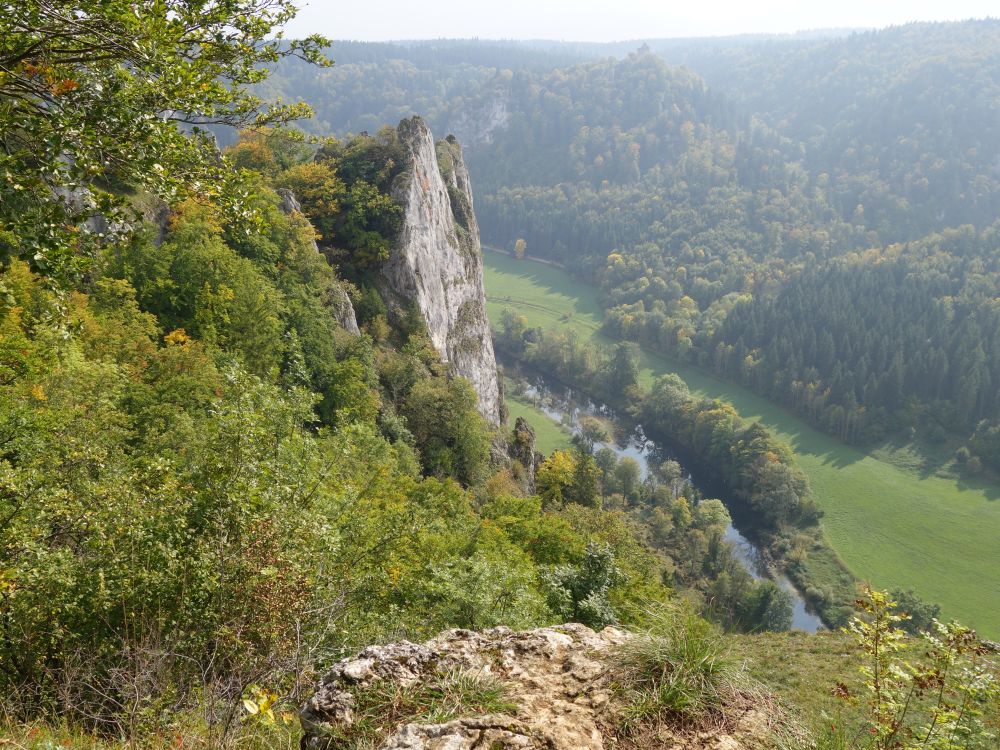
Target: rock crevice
[(560, 687)]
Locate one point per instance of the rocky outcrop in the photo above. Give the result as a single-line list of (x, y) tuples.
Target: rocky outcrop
[(289, 203), (524, 458), (343, 310), (476, 124), (339, 302), (554, 674), (557, 681), (436, 262)]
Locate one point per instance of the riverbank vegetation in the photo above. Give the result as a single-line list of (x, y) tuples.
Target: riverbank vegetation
[(758, 470), (847, 483)]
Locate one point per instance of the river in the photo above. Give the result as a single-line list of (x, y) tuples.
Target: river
[(562, 406)]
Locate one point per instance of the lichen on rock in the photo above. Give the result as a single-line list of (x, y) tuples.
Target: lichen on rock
[(561, 681)]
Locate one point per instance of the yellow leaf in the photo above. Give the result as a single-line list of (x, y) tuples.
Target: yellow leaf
[(177, 337)]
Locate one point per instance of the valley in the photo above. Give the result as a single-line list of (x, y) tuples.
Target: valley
[(549, 407), (512, 394), (884, 520)]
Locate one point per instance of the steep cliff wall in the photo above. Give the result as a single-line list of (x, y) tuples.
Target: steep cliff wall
[(476, 124), (436, 261)]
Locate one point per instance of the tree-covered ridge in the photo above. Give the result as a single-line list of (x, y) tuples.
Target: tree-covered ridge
[(747, 213), (372, 84), (200, 467), (207, 481), (688, 192), (901, 124), (907, 336), (210, 485), (599, 121)]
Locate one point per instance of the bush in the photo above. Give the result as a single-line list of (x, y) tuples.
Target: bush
[(937, 700), (579, 593)]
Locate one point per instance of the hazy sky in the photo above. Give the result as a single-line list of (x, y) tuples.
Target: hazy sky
[(609, 20)]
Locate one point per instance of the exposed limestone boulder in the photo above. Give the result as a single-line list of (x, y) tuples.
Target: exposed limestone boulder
[(343, 310), (289, 203), (555, 675), (436, 262), (558, 680), (339, 302)]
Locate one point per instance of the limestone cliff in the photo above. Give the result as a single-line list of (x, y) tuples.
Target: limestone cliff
[(476, 123), (436, 261), (525, 460)]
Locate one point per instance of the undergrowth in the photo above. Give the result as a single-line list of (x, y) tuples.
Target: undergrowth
[(679, 675)]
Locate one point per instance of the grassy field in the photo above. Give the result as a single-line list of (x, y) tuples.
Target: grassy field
[(549, 434), (893, 524)]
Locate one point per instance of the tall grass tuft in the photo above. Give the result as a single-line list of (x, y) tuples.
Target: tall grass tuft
[(678, 669)]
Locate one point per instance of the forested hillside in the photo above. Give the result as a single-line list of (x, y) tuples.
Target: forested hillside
[(903, 123), (372, 84), (224, 460), (861, 343), (232, 449), (753, 174)]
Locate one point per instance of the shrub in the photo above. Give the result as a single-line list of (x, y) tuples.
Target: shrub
[(938, 700), (579, 593)]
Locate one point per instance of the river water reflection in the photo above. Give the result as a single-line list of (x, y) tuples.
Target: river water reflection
[(562, 406)]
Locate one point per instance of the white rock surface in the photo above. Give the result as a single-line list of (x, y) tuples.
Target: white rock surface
[(558, 678), (476, 125), (436, 262)]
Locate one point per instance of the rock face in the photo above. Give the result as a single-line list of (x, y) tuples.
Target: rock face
[(436, 262), (555, 675), (525, 459), (477, 124), (343, 310), (339, 303), (558, 678)]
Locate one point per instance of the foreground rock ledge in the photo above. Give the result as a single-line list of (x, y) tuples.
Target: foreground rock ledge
[(557, 676)]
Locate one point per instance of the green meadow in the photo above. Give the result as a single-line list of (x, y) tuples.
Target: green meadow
[(549, 435), (893, 523)]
